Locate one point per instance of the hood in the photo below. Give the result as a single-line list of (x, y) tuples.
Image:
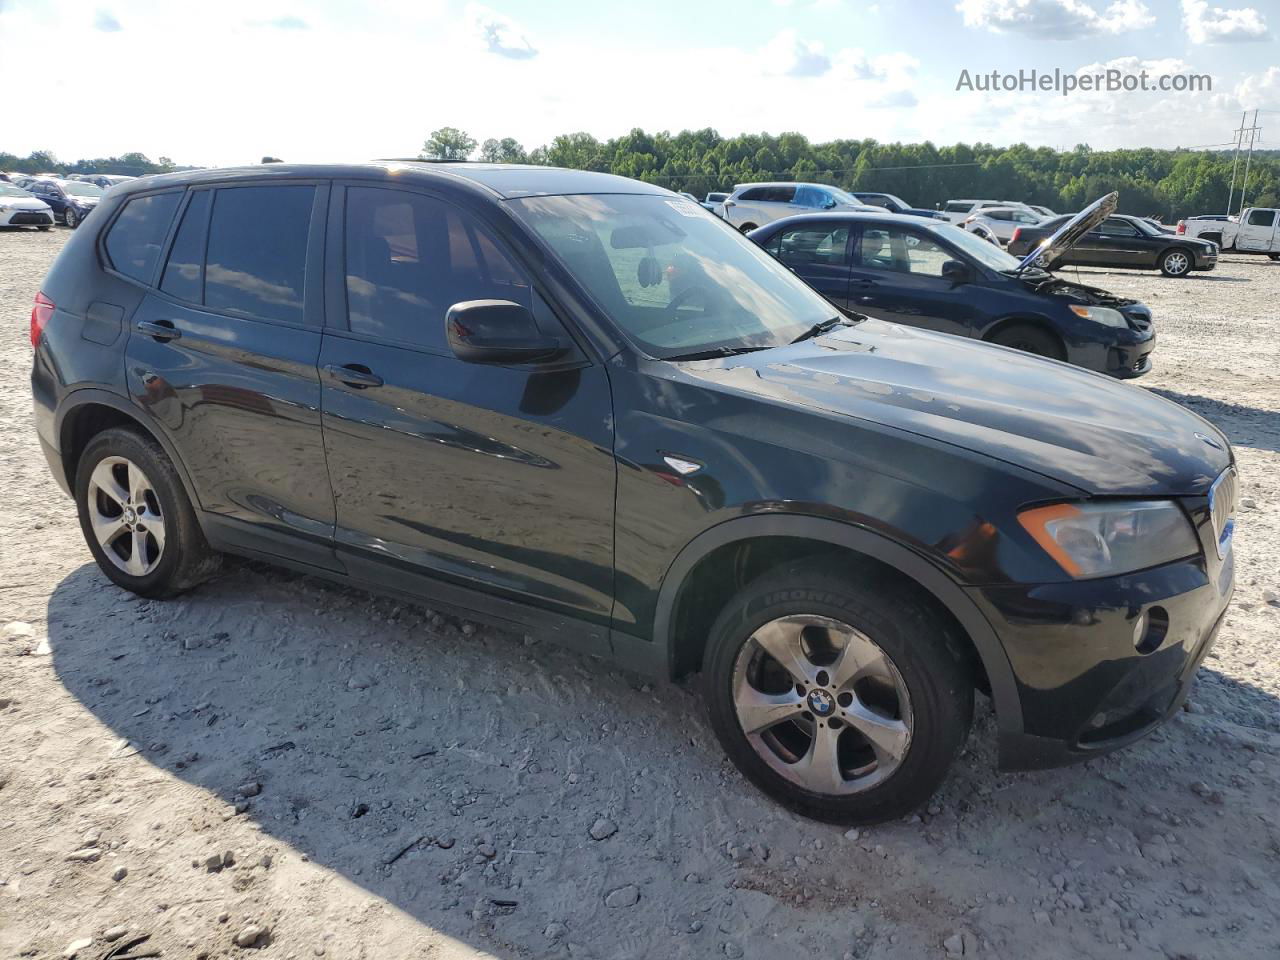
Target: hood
[(23, 203), (84, 201), (1097, 434), (1069, 233)]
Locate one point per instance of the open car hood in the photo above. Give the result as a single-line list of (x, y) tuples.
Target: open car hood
[(1069, 233)]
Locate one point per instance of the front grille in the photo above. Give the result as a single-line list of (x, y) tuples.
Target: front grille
[(34, 217), (1222, 508)]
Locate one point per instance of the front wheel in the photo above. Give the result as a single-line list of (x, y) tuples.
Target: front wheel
[(1029, 339), (136, 517), (71, 218), (843, 699), (1175, 263), (1274, 256)]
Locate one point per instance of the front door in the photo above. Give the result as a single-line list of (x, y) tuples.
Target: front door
[(1116, 243), (897, 276), (448, 474), (223, 355)]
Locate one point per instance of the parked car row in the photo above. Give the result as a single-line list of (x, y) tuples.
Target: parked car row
[(40, 202), (572, 402)]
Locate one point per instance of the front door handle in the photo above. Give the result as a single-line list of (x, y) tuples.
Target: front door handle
[(161, 330), (353, 375)]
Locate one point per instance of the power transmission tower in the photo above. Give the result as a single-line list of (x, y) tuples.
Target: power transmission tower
[(1253, 135), (1235, 161)]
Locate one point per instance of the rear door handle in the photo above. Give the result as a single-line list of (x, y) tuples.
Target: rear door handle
[(159, 329), (353, 375)]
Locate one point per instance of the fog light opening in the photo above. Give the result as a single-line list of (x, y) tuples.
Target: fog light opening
[(1150, 630)]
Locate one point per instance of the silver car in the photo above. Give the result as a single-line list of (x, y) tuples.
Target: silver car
[(753, 205), (1001, 221)]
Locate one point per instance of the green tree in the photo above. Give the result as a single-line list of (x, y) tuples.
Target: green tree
[(448, 143), (506, 150)]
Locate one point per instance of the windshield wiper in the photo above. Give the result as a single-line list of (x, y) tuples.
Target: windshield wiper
[(716, 352), (823, 327)]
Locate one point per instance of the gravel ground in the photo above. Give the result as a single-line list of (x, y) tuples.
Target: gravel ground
[(311, 771)]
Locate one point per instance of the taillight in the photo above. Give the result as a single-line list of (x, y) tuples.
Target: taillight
[(40, 315), (1182, 226), (1017, 232)]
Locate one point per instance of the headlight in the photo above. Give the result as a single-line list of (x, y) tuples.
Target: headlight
[(1101, 539), (1103, 315)]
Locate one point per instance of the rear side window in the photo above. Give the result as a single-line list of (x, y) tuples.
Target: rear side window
[(136, 238), (1262, 218), (184, 273), (781, 194), (755, 193), (409, 258), (958, 207), (257, 254), (824, 244)]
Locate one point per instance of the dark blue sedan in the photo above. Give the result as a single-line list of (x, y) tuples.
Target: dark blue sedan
[(71, 200), (931, 274)]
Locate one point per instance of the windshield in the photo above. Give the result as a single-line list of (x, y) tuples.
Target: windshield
[(78, 188), (985, 252), (842, 197), (8, 190), (675, 278)]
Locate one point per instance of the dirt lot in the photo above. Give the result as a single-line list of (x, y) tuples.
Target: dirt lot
[(359, 778)]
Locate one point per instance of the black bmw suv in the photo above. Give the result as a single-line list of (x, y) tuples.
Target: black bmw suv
[(579, 404)]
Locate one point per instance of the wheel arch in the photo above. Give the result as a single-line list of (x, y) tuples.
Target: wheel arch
[(817, 533), (86, 413), (1026, 320)]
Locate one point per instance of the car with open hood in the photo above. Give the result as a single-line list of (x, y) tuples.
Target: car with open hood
[(578, 406), (942, 277), (1117, 241)]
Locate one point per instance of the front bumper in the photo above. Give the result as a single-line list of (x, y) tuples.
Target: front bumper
[(1084, 687)]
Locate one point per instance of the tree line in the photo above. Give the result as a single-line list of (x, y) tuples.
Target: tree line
[(1165, 183)]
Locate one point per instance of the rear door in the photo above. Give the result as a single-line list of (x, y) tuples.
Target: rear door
[(818, 253), (897, 275), (1258, 231), (449, 474), (223, 353)]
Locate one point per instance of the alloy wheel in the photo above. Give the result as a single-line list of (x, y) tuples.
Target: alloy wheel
[(70, 218), (125, 515), (1177, 263), (822, 704)]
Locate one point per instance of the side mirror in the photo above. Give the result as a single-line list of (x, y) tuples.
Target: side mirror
[(497, 331), (956, 271), (829, 204)]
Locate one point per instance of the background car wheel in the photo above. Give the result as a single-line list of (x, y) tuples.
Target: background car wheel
[(1029, 339), (136, 517), (1274, 256), (843, 699), (43, 226), (746, 227), (70, 217), (1175, 263)]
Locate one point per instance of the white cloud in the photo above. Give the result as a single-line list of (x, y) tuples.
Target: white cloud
[(499, 34), (1055, 19), (1206, 24), (788, 56), (1259, 88), (893, 68)]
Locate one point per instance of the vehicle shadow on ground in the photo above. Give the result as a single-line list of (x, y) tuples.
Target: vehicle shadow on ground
[(1244, 426), (1093, 272), (457, 776)]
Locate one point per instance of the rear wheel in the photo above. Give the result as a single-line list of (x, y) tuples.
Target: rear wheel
[(70, 217), (136, 517), (841, 700), (1175, 263), (1029, 339)]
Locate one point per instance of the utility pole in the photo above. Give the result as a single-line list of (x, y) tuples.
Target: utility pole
[(1253, 135), (1235, 161)]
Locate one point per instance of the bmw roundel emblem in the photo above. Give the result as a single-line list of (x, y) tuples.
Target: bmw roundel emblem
[(821, 703)]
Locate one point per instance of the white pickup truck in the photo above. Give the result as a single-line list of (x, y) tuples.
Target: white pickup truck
[(1257, 230)]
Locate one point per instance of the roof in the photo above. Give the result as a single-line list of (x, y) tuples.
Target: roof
[(880, 216), (501, 180)]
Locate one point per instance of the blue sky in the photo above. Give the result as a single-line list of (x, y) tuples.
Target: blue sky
[(322, 79)]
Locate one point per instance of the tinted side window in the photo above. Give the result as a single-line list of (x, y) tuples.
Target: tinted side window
[(781, 194), (257, 256), (1116, 228), (821, 244), (755, 193), (958, 207), (134, 240), (1262, 218), (184, 273), (409, 258)]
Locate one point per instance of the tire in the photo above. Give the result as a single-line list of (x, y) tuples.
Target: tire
[(1274, 256), (70, 217), (1175, 263), (914, 693), (1030, 339), (746, 228), (42, 227), (128, 487)]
